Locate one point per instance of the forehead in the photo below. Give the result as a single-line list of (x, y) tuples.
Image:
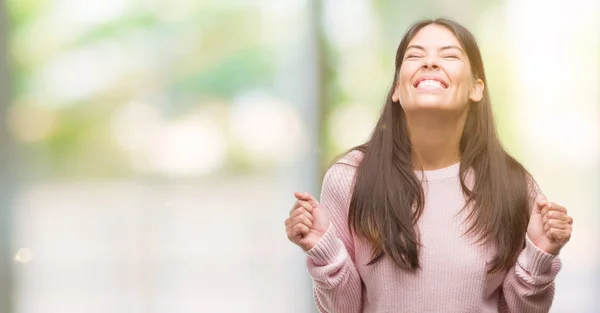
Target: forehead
[(433, 36)]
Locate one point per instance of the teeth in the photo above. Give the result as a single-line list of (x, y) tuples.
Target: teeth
[(431, 83)]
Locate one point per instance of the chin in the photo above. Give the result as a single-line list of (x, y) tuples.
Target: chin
[(428, 105), (432, 107)]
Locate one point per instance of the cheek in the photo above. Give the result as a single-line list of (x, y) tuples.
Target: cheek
[(460, 75), (462, 82), (401, 90), (403, 81), (406, 72)]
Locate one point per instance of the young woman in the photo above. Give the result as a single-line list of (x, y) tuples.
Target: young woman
[(431, 214)]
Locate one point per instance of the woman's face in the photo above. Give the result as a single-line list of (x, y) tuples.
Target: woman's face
[(436, 74)]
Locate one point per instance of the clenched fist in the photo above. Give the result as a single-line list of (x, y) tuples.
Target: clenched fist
[(307, 223), (549, 226)]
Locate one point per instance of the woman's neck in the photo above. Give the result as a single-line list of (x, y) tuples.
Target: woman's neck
[(435, 141)]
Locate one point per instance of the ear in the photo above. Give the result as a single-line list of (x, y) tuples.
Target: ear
[(477, 91), (396, 94)]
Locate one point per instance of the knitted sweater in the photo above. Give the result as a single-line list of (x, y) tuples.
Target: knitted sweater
[(453, 278)]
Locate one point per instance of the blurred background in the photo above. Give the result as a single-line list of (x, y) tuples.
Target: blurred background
[(150, 148)]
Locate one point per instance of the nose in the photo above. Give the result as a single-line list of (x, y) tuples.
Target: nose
[(430, 62)]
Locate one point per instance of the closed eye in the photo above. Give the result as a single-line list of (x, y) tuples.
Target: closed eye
[(451, 56), (413, 56)]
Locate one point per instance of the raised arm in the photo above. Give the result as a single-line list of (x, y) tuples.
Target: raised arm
[(337, 284), (321, 229), (529, 284)]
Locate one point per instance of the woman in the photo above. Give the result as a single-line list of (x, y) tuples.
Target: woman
[(431, 214)]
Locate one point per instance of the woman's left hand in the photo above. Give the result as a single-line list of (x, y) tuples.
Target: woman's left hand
[(549, 226)]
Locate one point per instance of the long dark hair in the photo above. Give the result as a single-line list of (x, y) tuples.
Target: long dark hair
[(388, 198)]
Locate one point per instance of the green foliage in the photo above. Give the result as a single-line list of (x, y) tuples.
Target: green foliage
[(232, 74), (223, 54)]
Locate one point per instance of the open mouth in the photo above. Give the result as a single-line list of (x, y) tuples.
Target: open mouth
[(430, 83)]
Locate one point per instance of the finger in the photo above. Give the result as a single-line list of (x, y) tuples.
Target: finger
[(302, 219), (291, 236), (306, 205), (295, 206), (299, 230), (555, 234), (556, 224), (541, 200), (557, 215), (302, 195), (559, 236), (301, 211), (551, 206), (298, 212), (302, 204), (557, 207), (307, 197), (288, 222)]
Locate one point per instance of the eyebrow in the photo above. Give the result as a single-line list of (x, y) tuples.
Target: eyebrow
[(441, 49)]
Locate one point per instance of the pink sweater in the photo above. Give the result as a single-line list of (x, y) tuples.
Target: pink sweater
[(453, 276)]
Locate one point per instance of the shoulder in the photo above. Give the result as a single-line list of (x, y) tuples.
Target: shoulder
[(340, 176), (352, 158)]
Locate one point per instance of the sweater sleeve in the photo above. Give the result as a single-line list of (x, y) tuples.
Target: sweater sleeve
[(529, 284), (337, 286)]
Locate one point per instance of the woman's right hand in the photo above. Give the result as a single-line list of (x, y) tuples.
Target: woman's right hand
[(307, 222)]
